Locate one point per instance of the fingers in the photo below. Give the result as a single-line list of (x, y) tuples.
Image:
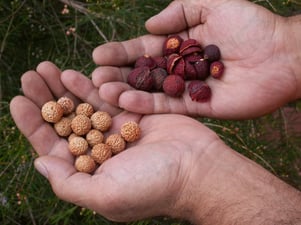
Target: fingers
[(82, 87), (125, 53), (41, 135), (178, 16)]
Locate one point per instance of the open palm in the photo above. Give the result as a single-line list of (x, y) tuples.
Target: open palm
[(140, 182), (258, 76)]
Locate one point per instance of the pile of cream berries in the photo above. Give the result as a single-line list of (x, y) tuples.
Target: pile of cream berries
[(182, 60)]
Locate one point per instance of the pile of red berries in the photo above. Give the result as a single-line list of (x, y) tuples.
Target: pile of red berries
[(181, 60)]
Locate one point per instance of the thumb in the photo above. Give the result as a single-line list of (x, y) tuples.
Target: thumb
[(177, 17)]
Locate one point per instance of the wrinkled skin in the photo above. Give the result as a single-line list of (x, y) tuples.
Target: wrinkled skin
[(258, 60)]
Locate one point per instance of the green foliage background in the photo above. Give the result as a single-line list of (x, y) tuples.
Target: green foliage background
[(32, 31)]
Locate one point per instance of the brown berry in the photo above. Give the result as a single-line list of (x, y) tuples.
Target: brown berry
[(67, 104), (141, 79), (172, 45), (212, 53), (101, 152), (94, 137), (84, 109), (216, 69), (52, 112), (199, 91), (63, 127), (85, 164), (81, 125), (101, 121), (78, 146), (116, 142), (174, 86), (130, 131)]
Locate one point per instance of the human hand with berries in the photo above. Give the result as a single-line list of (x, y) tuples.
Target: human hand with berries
[(262, 69), (178, 167)]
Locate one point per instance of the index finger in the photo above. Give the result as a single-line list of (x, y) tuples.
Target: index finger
[(126, 52)]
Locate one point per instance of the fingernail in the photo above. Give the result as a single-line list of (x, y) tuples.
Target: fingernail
[(41, 168)]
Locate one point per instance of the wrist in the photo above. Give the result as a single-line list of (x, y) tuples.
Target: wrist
[(292, 38), (226, 188)]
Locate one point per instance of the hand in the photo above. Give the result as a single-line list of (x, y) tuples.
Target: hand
[(140, 182), (178, 168), (259, 75)]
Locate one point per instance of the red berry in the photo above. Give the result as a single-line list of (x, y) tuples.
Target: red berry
[(199, 91), (216, 69), (174, 85)]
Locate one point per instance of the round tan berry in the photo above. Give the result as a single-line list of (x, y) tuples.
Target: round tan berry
[(84, 109), (116, 142), (94, 137), (101, 152), (78, 146), (72, 135), (101, 121), (52, 112), (85, 164), (63, 127), (130, 131), (81, 125), (67, 104)]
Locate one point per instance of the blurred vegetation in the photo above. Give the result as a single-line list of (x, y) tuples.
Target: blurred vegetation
[(66, 32)]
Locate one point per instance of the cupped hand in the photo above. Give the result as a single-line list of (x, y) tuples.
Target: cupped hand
[(145, 180), (258, 77)]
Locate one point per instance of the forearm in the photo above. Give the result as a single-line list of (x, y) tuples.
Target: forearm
[(235, 190), (292, 39)]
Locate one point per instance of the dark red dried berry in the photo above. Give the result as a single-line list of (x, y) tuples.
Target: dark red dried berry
[(141, 79), (202, 69), (174, 86), (199, 91), (217, 69), (161, 61), (145, 60), (190, 46), (159, 75), (212, 53), (172, 45)]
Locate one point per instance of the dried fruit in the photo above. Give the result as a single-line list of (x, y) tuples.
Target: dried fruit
[(161, 61), (202, 69), (174, 85), (172, 45), (101, 152), (141, 79), (101, 121), (84, 109), (116, 142), (212, 53), (190, 46), (52, 112), (67, 105), (147, 61), (158, 75), (130, 131), (63, 127), (94, 137), (81, 125), (78, 146), (216, 69), (85, 164), (199, 91)]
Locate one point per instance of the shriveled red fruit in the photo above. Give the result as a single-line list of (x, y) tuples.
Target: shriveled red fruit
[(172, 61), (190, 46), (145, 60), (141, 79), (199, 91), (174, 85), (217, 69), (158, 74), (212, 53), (202, 69), (160, 61), (172, 45)]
